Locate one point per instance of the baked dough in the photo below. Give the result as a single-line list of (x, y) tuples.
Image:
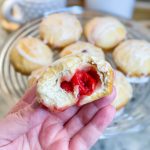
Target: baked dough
[(123, 89), (83, 46), (60, 30), (80, 72), (133, 58), (30, 54), (105, 32), (35, 75)]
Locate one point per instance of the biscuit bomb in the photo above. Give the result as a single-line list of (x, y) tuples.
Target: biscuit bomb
[(75, 79)]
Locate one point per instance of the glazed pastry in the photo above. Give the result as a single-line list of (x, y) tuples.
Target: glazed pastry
[(75, 79), (133, 58), (123, 89), (83, 46), (105, 32), (30, 54), (60, 30)]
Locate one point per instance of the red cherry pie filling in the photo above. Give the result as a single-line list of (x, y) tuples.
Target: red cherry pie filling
[(86, 81)]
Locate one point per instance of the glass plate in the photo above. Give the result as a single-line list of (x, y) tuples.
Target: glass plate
[(135, 115)]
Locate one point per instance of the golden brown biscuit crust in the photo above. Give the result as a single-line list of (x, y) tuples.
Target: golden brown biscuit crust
[(66, 66)]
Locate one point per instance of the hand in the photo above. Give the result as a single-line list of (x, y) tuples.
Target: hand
[(29, 126)]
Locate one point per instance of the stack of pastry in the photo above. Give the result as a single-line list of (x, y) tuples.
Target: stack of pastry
[(31, 53), (82, 74)]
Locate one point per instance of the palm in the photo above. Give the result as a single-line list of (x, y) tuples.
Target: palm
[(68, 130)]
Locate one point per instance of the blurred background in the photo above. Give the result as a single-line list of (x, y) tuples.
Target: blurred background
[(138, 10), (13, 15)]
